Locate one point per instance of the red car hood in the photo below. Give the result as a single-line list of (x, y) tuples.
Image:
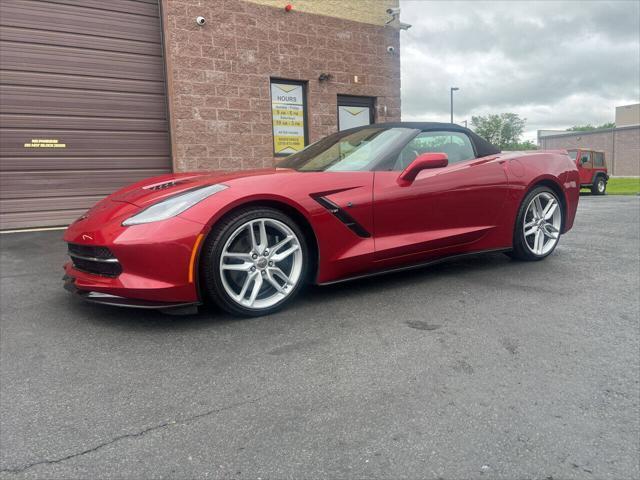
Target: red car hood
[(154, 189)]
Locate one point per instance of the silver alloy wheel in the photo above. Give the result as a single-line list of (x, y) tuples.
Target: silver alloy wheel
[(261, 263), (601, 185), (542, 222)]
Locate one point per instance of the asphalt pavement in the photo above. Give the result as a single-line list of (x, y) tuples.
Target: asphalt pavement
[(480, 368)]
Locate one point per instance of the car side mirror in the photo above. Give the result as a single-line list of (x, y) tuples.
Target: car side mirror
[(584, 160), (422, 162)]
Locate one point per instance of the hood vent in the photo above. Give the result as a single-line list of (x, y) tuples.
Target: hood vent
[(170, 183), (163, 185)]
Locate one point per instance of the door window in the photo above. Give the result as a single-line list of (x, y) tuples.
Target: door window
[(456, 145), (354, 111), (598, 159), (585, 159)]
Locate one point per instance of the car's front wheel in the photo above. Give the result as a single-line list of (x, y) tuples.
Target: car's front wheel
[(538, 225), (255, 261)]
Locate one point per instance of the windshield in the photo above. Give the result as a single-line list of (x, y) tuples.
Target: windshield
[(348, 151), (573, 154)]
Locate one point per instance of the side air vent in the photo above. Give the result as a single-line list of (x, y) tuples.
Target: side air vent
[(343, 216)]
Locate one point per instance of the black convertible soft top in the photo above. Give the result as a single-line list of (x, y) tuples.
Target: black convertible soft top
[(483, 148)]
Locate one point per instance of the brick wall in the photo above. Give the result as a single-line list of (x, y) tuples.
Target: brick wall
[(621, 147), (627, 152), (628, 115), (218, 76)]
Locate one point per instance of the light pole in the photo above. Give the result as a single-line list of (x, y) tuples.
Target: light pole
[(453, 89)]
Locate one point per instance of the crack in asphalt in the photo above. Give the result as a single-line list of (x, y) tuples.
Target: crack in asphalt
[(130, 435)]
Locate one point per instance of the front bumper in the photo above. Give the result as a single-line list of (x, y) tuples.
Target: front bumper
[(157, 262)]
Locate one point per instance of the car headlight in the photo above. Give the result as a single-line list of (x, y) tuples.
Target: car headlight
[(173, 206)]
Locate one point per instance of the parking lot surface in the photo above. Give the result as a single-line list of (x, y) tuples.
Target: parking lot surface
[(481, 368)]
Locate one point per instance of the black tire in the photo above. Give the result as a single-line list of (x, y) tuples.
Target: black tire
[(521, 250), (599, 186), (211, 255)]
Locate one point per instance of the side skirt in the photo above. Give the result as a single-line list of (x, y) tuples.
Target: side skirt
[(417, 265)]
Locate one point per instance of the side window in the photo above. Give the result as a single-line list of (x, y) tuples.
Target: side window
[(598, 159), (585, 159), (456, 145)]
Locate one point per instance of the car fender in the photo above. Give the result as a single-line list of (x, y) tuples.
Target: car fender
[(551, 167), (211, 210), (340, 251), (568, 187)]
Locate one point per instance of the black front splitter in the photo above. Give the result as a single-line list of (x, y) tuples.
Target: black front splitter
[(171, 308)]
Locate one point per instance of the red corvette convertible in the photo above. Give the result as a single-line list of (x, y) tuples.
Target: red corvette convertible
[(360, 202)]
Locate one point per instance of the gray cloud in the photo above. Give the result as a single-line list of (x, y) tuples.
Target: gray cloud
[(555, 63)]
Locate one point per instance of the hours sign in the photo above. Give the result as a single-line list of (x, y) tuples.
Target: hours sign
[(287, 107)]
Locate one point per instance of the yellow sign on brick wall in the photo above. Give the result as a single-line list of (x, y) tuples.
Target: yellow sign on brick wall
[(287, 109)]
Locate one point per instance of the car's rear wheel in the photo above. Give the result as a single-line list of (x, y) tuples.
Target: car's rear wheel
[(538, 225), (599, 187), (255, 261)]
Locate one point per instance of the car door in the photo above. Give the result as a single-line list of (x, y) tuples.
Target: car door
[(585, 167), (442, 207)]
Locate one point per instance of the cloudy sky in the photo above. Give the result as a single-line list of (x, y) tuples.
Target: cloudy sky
[(556, 63)]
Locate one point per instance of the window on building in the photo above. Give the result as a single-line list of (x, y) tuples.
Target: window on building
[(598, 159), (456, 145), (289, 116)]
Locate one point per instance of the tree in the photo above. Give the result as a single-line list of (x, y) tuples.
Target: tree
[(504, 130), (588, 127), (526, 145)]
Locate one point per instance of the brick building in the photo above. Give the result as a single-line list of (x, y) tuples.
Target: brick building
[(95, 95), (620, 144)]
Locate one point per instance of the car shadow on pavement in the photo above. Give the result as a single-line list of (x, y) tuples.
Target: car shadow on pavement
[(396, 287), (420, 275), (315, 297), (312, 298)]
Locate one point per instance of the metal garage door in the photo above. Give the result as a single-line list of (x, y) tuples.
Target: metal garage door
[(82, 105)]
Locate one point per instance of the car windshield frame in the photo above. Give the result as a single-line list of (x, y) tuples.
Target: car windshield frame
[(381, 143)]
